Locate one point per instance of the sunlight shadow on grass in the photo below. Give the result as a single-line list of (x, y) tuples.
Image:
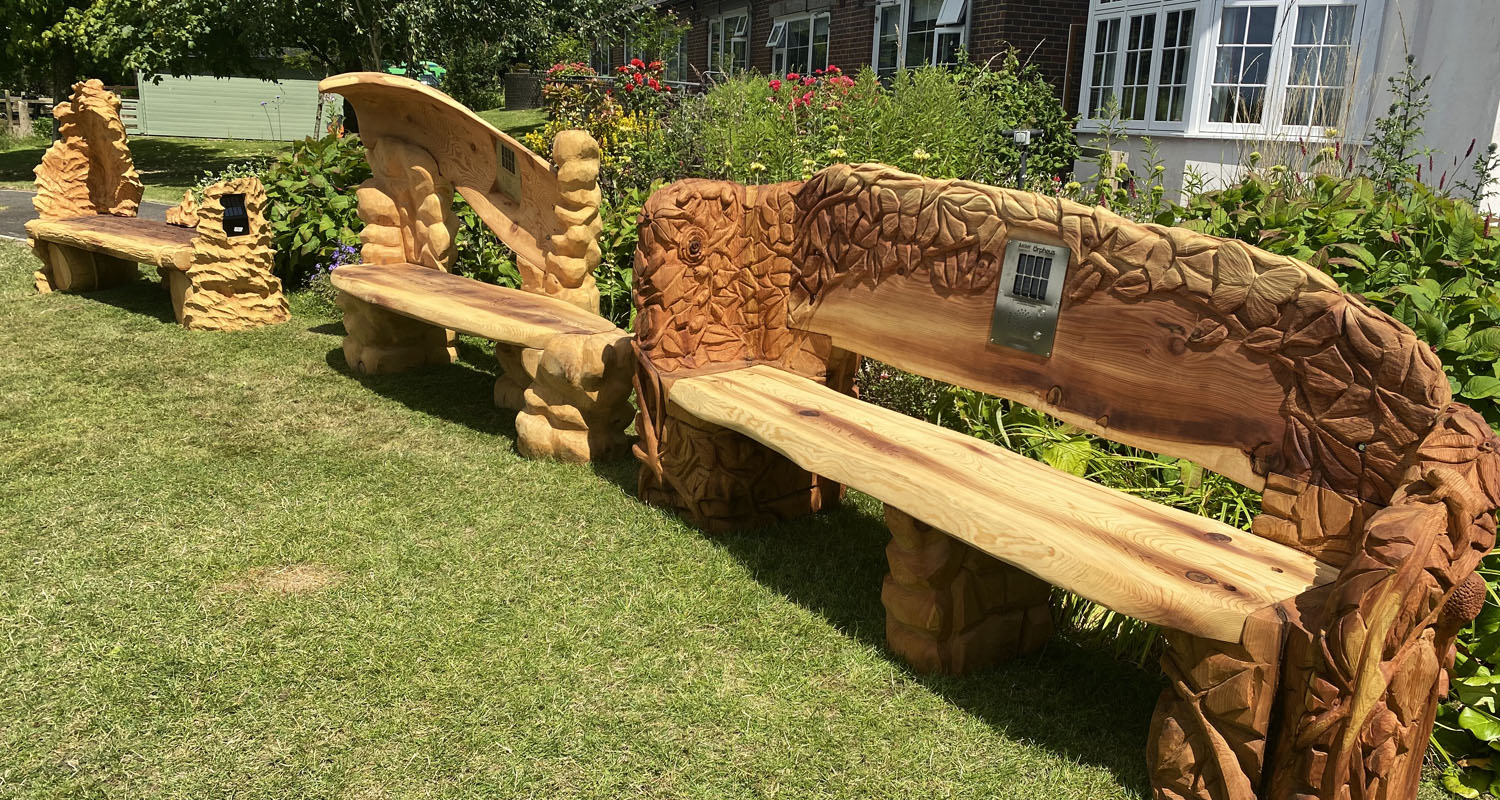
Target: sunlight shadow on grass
[(834, 563)]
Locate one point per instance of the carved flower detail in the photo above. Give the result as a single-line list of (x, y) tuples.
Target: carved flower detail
[(691, 247)]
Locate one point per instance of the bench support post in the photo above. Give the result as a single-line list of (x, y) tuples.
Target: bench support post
[(1209, 733), (381, 341), (573, 395), (70, 269), (954, 609)]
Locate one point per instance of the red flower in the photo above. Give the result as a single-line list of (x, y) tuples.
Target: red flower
[(629, 87), (807, 98), (654, 84), (639, 79), (637, 63), (775, 85), (792, 76), (817, 72), (654, 65), (808, 81)]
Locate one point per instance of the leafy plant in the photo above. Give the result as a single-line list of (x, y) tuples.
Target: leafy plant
[(311, 193)]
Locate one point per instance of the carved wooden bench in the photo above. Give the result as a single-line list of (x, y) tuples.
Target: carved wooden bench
[(1304, 659), (215, 261), (566, 369)]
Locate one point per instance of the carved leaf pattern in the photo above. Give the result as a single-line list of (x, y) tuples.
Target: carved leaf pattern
[(88, 170)]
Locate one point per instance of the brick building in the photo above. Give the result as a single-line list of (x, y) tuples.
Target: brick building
[(801, 35)]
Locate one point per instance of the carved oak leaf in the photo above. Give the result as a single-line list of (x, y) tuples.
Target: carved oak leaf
[(1132, 284), (1208, 333)]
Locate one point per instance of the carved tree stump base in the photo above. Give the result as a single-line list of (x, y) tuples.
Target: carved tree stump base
[(380, 341), (573, 396), (951, 608), (70, 269)]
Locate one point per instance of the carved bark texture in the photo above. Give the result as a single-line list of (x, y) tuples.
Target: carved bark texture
[(711, 286), (184, 214), (1361, 697), (576, 404), (573, 252), (407, 208), (1209, 732), (88, 170), (230, 284), (953, 609), (1361, 389)]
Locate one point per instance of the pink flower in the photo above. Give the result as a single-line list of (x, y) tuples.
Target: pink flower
[(808, 81), (792, 76), (807, 98), (775, 85)]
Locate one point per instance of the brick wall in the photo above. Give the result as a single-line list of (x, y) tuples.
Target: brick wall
[(1039, 29)]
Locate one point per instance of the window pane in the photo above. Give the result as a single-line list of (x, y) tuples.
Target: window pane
[(1232, 26), (890, 18), (1262, 25), (1310, 25), (1136, 79), (1257, 65), (921, 33), (1106, 51), (1320, 67), (798, 44), (1227, 65), (948, 43), (820, 43), (1177, 41)]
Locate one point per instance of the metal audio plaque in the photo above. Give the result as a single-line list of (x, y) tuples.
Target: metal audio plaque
[(507, 174), (1029, 296)]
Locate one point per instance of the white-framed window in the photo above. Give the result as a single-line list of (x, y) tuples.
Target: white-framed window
[(1228, 67), (1320, 65), (799, 43), (729, 42), (911, 33)]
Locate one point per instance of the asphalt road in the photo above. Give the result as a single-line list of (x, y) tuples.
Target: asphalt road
[(15, 211)]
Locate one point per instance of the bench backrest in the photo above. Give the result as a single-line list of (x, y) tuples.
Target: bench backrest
[(88, 170), (423, 145), (1253, 364)]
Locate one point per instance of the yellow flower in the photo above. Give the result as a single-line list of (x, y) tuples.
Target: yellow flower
[(920, 154), (756, 166), (836, 153)]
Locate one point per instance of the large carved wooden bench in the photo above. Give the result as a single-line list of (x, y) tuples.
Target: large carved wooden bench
[(215, 259), (566, 369), (1304, 658)]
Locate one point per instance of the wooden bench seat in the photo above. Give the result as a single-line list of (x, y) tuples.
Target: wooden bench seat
[(465, 305), (565, 369), (139, 241), (214, 252), (1303, 658), (1154, 563)]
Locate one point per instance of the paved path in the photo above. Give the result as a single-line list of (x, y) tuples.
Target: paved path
[(16, 211)]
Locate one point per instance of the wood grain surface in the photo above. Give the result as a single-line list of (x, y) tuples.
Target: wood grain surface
[(140, 240), (1153, 563), (1105, 374), (466, 305), (465, 149)]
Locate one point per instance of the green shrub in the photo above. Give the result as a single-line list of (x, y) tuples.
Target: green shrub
[(946, 123), (311, 193)]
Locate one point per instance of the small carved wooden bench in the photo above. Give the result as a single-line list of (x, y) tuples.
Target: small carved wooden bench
[(566, 369), (1304, 658), (215, 260)]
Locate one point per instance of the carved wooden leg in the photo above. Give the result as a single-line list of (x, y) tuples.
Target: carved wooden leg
[(952, 608), (1208, 735), (176, 282), (517, 365), (380, 341), (578, 403)]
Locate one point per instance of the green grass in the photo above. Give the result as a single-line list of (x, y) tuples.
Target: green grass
[(228, 567), (168, 166), (516, 123)]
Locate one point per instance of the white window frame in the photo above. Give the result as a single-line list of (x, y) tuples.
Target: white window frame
[(1208, 16), (779, 37), (947, 10), (726, 38)]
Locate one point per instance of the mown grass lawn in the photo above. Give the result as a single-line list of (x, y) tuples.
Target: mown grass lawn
[(170, 165), (229, 568)]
